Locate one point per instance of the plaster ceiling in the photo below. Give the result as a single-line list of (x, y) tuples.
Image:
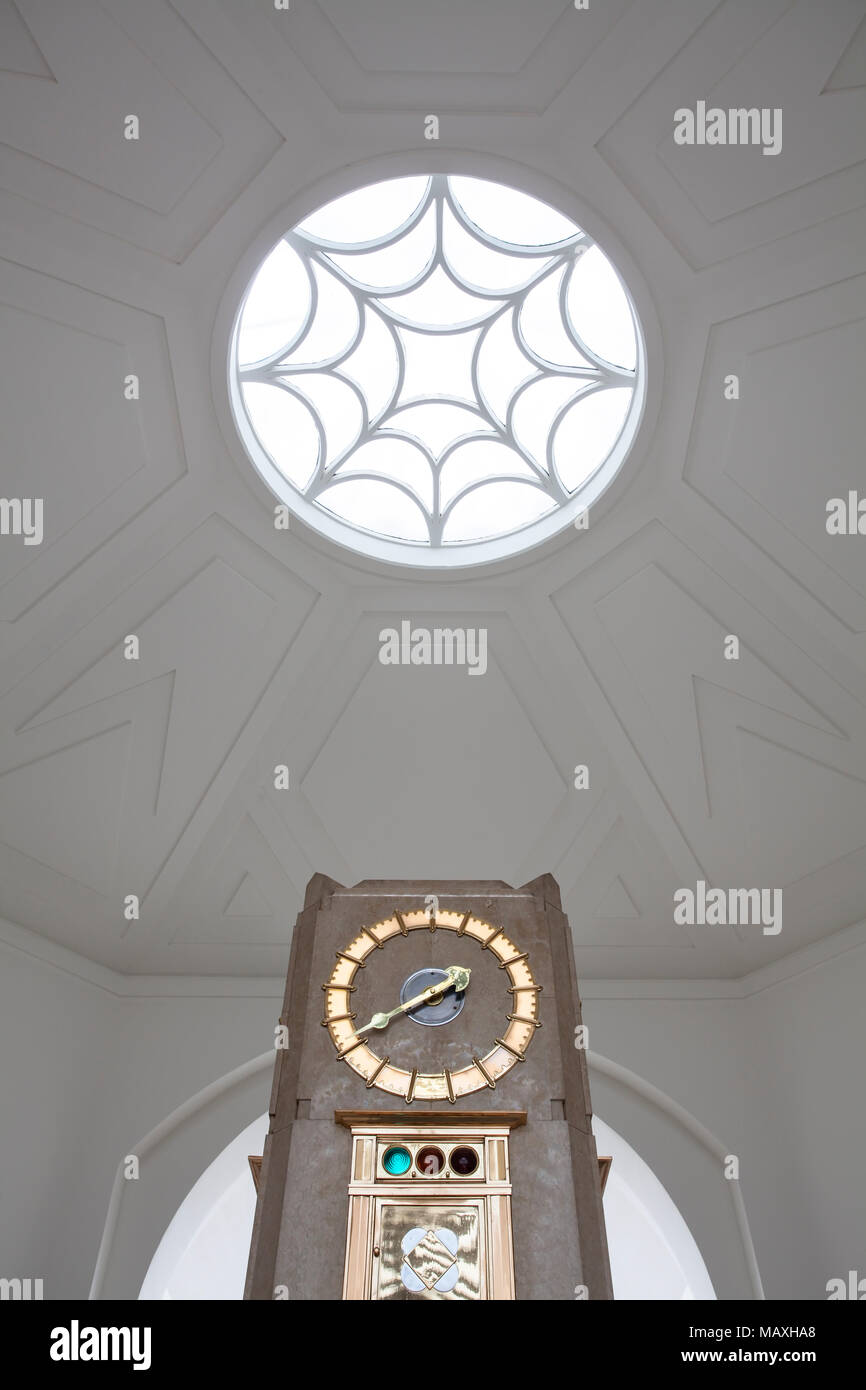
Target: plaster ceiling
[(257, 647)]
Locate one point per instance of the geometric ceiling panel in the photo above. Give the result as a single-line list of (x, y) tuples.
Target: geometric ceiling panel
[(94, 458), (715, 201), (789, 812), (755, 761), (802, 812), (492, 55), (779, 419), (831, 897), (759, 764), (432, 772), (615, 910), (248, 900), (95, 769), (19, 51), (200, 138), (487, 36), (624, 899), (820, 134), (216, 612), (213, 629), (667, 641), (64, 808), (76, 123), (772, 460), (616, 902), (242, 901), (259, 647), (72, 469), (236, 894), (60, 908), (850, 71)]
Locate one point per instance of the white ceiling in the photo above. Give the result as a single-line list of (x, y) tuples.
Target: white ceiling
[(258, 647)]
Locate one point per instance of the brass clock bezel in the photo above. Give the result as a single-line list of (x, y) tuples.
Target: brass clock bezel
[(482, 1072)]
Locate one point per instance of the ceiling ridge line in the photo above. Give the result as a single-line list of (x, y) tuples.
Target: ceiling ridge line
[(134, 985)]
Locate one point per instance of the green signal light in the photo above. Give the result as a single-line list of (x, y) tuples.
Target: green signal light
[(397, 1161)]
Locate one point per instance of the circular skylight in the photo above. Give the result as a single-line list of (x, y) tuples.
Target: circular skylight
[(437, 370)]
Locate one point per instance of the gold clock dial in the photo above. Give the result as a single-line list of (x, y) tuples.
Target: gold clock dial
[(356, 1042)]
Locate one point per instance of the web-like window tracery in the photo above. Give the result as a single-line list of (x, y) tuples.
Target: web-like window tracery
[(436, 361)]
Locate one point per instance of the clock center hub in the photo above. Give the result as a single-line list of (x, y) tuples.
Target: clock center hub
[(441, 1007)]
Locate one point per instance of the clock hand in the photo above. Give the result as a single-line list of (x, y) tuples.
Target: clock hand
[(458, 978)]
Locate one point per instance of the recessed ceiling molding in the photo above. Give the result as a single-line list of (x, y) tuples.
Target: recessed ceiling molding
[(850, 71), (616, 901), (20, 52), (534, 62)]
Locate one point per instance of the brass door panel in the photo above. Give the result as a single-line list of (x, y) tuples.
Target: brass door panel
[(429, 1250)]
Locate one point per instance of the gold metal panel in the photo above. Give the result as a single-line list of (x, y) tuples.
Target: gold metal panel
[(604, 1162), (429, 1250), (447, 1141), (501, 1248), (365, 1153), (382, 1121), (356, 1280), (496, 1167), (419, 1236)]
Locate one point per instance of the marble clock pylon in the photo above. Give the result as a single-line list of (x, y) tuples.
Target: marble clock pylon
[(505, 1063)]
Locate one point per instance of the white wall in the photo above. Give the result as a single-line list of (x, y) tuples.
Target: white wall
[(60, 1068), (694, 1050), (777, 1071), (807, 1119), (774, 1067), (203, 1252), (88, 1070)]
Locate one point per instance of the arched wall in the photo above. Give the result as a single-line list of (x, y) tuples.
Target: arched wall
[(137, 1211), (772, 1064), (203, 1252)]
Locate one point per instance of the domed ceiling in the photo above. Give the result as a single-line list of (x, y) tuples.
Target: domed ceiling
[(607, 648)]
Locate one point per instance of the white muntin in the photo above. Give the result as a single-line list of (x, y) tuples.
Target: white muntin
[(438, 646), (703, 906), (740, 125), (424, 459)]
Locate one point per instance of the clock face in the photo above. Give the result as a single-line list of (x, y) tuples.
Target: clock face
[(409, 997)]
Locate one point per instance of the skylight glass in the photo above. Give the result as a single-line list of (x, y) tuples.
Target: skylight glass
[(433, 369)]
